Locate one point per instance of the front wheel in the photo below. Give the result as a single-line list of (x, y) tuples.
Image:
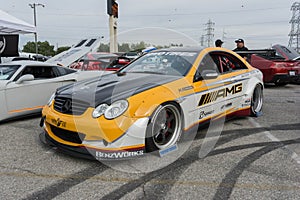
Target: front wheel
[(257, 101), (165, 128)]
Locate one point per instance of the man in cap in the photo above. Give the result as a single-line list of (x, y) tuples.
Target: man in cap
[(240, 46), (218, 43)]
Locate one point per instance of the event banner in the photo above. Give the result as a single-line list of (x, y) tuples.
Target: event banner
[(9, 45)]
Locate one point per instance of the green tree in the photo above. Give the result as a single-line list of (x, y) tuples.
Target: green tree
[(103, 48), (124, 47), (61, 49), (138, 46), (44, 48)]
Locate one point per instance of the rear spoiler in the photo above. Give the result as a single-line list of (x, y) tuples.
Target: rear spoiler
[(264, 52)]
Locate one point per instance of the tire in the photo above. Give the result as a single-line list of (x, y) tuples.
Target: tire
[(257, 101), (165, 128)]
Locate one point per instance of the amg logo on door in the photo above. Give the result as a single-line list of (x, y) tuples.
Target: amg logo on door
[(222, 93)]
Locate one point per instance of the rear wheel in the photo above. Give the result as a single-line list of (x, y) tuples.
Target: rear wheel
[(257, 101), (165, 128)]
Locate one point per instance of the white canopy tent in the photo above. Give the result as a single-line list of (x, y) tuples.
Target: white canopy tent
[(12, 25)]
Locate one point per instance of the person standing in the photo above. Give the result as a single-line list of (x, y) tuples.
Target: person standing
[(218, 43), (240, 46)]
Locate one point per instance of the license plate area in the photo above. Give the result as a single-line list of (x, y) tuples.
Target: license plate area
[(292, 73)]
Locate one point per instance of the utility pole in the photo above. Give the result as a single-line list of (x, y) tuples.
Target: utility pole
[(112, 11), (33, 6), (209, 32), (295, 27)]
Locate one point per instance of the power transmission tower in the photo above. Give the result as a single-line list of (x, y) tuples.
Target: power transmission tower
[(295, 27), (209, 32)]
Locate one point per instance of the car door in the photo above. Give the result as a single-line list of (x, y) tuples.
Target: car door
[(233, 78), (30, 96), (219, 95), (207, 106)]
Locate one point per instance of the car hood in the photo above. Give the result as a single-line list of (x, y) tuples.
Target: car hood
[(82, 75), (112, 87)]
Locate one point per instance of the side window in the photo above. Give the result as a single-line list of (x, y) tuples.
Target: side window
[(44, 72), (64, 71), (227, 63), (207, 63), (39, 72), (26, 70)]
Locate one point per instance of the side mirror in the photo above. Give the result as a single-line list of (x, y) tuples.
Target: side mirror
[(209, 74), (206, 75), (26, 77)]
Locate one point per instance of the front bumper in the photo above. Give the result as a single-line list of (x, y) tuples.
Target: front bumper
[(70, 150), (91, 153), (130, 145)]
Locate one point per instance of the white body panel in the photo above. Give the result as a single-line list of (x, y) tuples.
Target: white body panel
[(28, 97)]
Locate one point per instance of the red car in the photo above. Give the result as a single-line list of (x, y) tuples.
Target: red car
[(100, 61), (279, 65)]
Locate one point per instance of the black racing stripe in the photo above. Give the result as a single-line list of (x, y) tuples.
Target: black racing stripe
[(113, 87)]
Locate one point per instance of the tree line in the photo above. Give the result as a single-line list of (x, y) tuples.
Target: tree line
[(46, 49)]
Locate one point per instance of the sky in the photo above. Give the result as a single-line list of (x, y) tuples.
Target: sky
[(158, 22)]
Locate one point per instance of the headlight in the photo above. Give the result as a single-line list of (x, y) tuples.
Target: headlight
[(110, 112), (116, 109), (100, 110), (51, 100)]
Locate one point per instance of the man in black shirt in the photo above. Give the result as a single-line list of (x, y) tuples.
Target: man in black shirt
[(240, 46), (218, 43)]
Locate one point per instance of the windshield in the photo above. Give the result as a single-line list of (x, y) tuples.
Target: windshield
[(7, 71), (168, 63)]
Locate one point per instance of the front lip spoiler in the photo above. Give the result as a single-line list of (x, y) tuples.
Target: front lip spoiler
[(72, 151), (90, 154)]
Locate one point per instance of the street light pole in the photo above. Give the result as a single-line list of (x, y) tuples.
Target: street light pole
[(33, 5)]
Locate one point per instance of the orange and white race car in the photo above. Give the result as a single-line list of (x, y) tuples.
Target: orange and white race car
[(150, 104)]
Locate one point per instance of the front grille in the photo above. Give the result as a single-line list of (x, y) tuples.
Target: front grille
[(70, 106), (66, 135)]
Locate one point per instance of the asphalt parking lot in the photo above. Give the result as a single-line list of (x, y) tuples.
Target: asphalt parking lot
[(255, 158)]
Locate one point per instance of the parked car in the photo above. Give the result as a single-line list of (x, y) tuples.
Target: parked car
[(279, 65), (93, 61), (131, 55), (151, 103), (25, 86), (118, 63)]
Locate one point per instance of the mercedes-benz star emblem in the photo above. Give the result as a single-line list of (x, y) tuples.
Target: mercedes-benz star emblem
[(66, 106)]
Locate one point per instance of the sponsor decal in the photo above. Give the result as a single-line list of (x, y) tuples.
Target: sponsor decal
[(222, 93), (226, 106), (115, 155), (186, 88), (59, 123), (168, 150), (247, 103), (204, 114)]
